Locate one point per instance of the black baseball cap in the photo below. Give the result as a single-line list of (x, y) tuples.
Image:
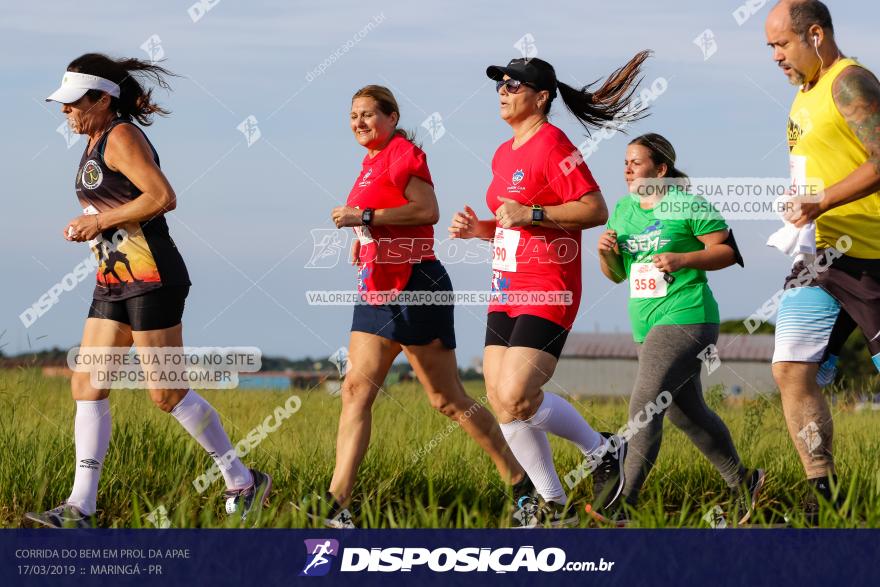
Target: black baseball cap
[(535, 71)]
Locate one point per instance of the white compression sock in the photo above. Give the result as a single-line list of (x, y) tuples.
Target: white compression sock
[(532, 449), (91, 431), (559, 417), (203, 423)]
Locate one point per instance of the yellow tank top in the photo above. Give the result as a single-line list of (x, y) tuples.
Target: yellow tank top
[(824, 150)]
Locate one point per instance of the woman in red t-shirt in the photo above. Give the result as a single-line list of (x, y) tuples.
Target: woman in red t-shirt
[(392, 208), (542, 196)]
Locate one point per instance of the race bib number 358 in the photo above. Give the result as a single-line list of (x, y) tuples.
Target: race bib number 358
[(646, 281)]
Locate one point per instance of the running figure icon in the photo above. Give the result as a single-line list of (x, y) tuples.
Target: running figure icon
[(318, 553)]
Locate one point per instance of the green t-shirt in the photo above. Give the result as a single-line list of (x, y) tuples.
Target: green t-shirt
[(671, 227)]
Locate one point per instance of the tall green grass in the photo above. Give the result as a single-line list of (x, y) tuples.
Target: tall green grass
[(153, 462)]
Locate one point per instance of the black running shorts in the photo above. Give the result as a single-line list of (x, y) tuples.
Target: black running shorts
[(155, 310), (526, 331)]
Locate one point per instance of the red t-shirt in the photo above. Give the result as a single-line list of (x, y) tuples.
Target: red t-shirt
[(388, 253), (534, 258)]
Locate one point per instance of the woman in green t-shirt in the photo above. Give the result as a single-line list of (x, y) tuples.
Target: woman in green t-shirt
[(662, 240)]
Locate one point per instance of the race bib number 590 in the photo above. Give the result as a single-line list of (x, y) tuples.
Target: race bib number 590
[(504, 247)]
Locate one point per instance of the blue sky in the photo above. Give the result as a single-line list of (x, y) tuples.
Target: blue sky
[(245, 213)]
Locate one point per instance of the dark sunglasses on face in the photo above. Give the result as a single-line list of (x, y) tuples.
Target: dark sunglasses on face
[(513, 85)]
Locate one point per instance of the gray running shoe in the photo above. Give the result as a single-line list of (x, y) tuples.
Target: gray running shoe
[(534, 512), (64, 516), (250, 499)]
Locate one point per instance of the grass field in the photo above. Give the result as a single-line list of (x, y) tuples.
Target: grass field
[(419, 471)]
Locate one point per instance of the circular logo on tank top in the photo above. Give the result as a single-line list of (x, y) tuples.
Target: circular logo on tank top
[(92, 174)]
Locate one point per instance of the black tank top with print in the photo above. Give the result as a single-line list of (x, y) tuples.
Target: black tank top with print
[(135, 257)]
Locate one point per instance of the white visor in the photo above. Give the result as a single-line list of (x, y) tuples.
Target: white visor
[(75, 85)]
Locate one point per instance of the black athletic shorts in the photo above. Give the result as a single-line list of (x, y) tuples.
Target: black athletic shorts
[(415, 324), (855, 284), (154, 310), (525, 330)]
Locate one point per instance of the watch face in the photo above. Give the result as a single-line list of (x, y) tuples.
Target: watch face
[(537, 215)]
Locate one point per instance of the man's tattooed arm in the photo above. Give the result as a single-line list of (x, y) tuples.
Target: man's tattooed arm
[(856, 93)]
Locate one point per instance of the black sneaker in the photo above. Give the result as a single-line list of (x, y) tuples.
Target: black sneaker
[(821, 493), (64, 516), (251, 499), (534, 512), (608, 477), (745, 497), (327, 511)]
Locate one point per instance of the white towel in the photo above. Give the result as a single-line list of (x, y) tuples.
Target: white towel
[(791, 240), (794, 241)]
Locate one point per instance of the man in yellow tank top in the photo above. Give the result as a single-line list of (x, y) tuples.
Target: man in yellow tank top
[(834, 142)]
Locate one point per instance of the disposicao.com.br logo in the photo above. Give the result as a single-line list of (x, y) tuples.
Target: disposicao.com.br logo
[(443, 560), (319, 556)]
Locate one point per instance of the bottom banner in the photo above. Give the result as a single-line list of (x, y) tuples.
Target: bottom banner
[(440, 557)]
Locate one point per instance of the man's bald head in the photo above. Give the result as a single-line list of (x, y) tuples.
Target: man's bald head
[(802, 15), (801, 35)]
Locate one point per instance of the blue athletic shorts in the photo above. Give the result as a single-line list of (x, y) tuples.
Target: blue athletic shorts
[(415, 324)]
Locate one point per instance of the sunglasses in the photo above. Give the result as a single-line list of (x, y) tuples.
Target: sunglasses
[(513, 85)]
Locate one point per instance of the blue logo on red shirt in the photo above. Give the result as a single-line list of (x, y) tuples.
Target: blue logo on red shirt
[(362, 276), (500, 287)]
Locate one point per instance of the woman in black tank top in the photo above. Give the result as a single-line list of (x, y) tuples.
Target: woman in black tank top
[(143, 247), (141, 283)]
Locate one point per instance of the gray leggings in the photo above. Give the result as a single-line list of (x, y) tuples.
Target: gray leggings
[(668, 362)]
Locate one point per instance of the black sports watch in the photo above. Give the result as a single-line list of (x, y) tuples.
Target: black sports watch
[(367, 216), (537, 214)]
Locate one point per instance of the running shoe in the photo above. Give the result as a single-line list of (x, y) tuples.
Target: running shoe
[(745, 497), (821, 493), (534, 512), (250, 499), (64, 516), (327, 511), (608, 478), (341, 520)]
